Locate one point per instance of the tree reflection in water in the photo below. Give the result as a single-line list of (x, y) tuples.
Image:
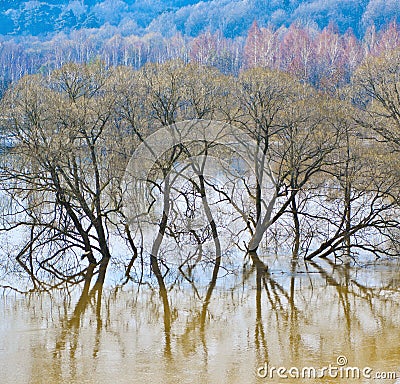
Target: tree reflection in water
[(299, 319)]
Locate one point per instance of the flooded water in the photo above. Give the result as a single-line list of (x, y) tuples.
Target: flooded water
[(290, 324)]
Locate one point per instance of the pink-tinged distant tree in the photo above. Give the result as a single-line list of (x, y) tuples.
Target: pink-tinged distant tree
[(352, 53), (261, 48), (297, 50), (389, 38), (252, 47), (268, 53), (203, 48), (329, 58)]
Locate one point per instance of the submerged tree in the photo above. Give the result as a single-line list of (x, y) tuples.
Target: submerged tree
[(61, 170), (286, 119)]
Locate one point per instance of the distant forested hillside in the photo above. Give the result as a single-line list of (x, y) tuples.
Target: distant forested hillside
[(319, 41), (189, 17)]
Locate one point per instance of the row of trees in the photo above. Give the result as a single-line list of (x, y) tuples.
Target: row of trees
[(178, 166), (324, 58)]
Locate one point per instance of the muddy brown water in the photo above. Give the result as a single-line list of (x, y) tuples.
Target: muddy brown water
[(316, 324)]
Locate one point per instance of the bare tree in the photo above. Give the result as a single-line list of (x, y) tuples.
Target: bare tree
[(62, 169)]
